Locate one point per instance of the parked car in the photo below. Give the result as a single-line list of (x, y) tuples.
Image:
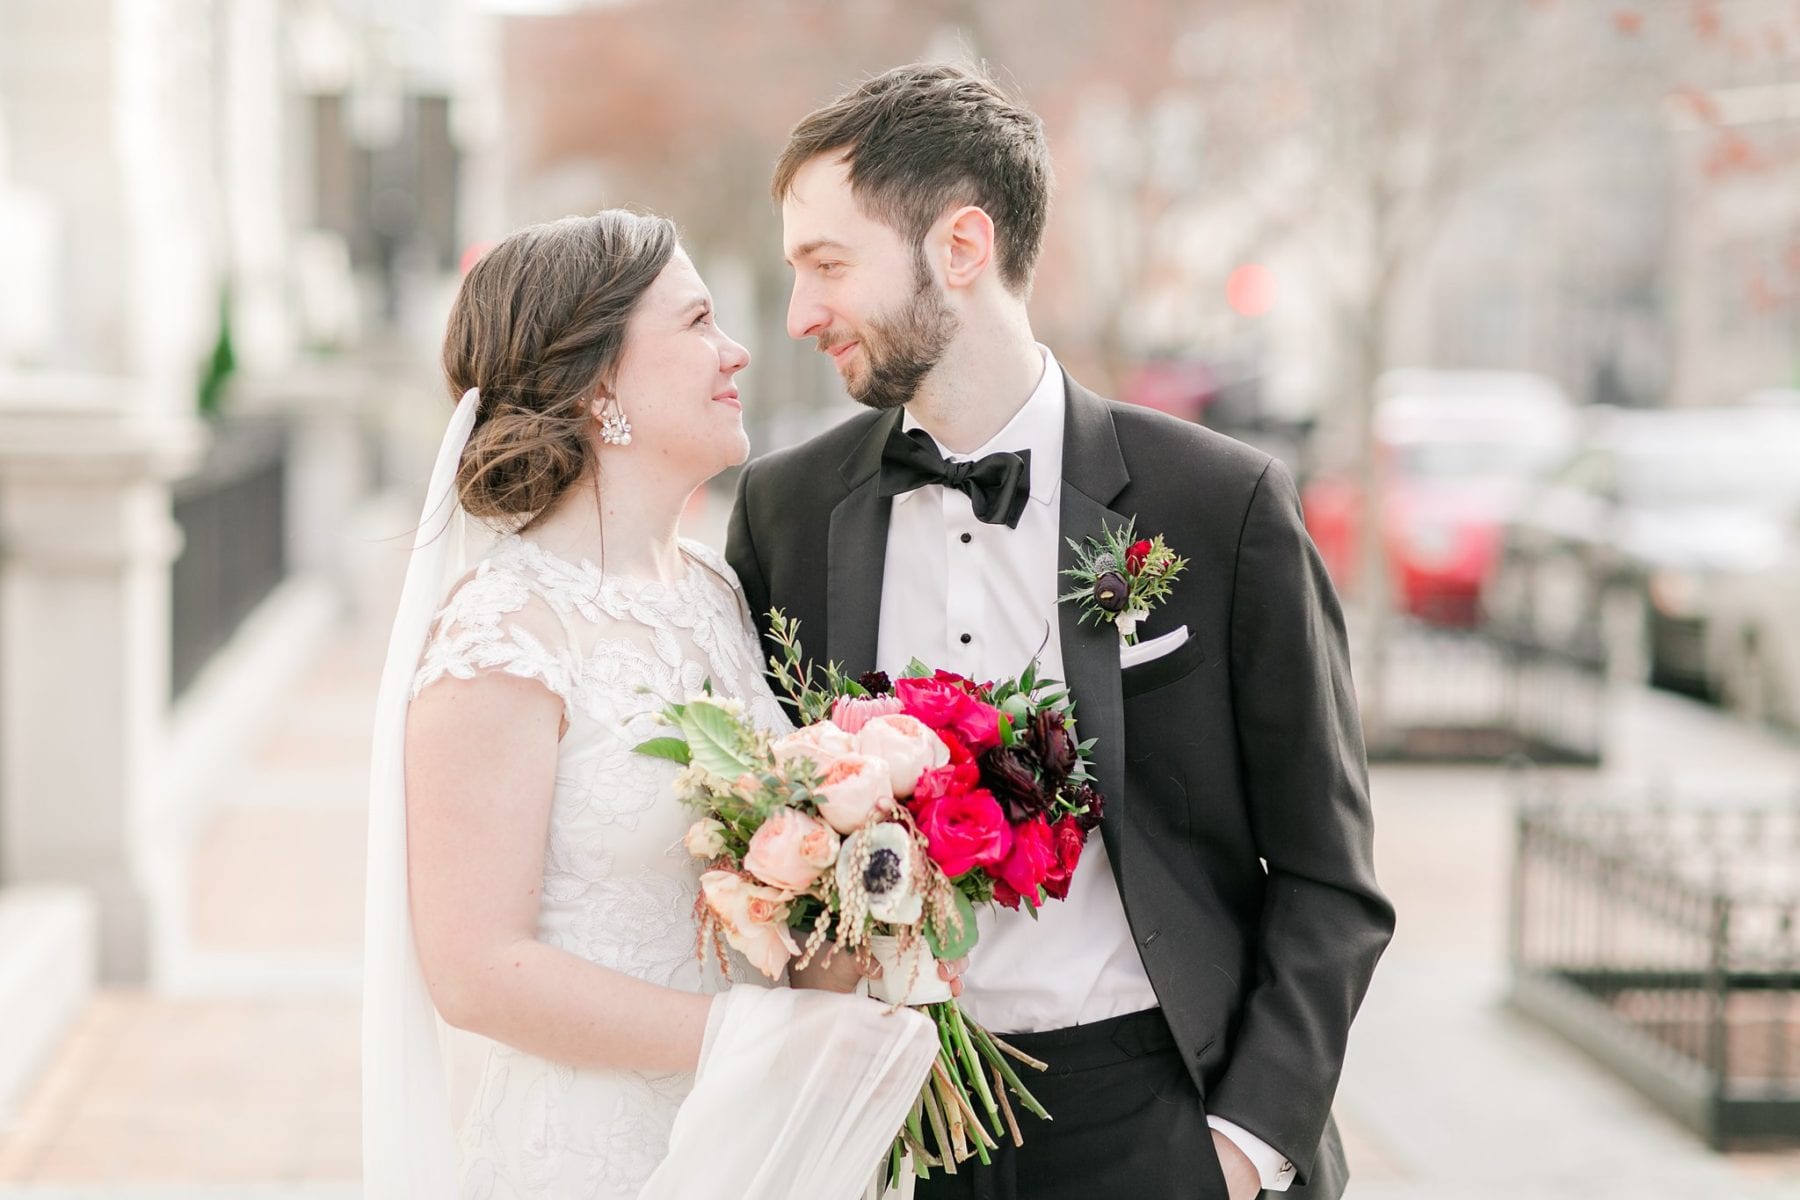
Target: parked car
[(1625, 543), (1456, 453), (1753, 615), (1752, 634)]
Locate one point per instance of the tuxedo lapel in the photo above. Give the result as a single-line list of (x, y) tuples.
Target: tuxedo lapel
[(1093, 476), (856, 552)]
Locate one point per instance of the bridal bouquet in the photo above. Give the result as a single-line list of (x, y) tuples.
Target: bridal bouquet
[(874, 830)]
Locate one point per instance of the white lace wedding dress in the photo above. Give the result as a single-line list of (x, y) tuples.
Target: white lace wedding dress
[(619, 889)]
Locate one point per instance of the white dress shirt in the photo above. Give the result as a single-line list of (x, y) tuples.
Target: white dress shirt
[(980, 600)]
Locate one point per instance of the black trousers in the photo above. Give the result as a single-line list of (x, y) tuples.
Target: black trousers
[(1127, 1122)]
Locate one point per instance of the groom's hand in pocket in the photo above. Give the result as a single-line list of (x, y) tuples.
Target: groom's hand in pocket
[(1241, 1179)]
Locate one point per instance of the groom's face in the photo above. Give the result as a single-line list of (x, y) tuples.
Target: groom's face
[(862, 292)]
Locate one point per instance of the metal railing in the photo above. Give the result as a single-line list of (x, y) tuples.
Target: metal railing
[(1661, 938), (1487, 695), (233, 517)]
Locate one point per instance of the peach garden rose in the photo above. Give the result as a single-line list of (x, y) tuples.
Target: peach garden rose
[(906, 744), (790, 849), (853, 789), (753, 918)]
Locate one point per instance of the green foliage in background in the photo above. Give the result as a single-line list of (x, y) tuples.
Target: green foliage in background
[(221, 363)]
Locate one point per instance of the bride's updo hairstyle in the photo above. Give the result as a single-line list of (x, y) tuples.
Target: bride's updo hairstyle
[(538, 323)]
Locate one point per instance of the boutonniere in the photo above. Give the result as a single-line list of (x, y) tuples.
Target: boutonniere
[(1120, 577)]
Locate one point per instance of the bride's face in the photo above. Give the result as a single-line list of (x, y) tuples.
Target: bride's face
[(675, 380)]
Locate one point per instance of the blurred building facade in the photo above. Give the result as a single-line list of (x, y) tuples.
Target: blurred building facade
[(227, 227), (1536, 205)]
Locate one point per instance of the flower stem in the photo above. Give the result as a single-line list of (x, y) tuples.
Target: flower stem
[(940, 1129), (1017, 1053), (1012, 1078), (975, 1072), (1012, 1121)]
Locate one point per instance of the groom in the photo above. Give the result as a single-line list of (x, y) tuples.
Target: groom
[(1194, 992)]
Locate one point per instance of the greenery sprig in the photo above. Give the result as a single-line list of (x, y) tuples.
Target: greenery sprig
[(1120, 577)]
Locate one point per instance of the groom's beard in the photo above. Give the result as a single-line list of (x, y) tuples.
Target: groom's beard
[(899, 351)]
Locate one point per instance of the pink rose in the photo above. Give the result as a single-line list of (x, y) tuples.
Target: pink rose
[(933, 701), (952, 780), (851, 713), (820, 744), (790, 849), (906, 745), (753, 918), (964, 830), (944, 704), (978, 725), (853, 788), (1031, 859)]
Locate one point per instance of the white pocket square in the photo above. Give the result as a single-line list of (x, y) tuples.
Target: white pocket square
[(1156, 647)]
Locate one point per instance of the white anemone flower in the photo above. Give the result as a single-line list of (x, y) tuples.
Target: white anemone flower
[(887, 877)]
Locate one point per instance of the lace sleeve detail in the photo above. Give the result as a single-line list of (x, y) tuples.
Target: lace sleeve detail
[(495, 621), (714, 562)]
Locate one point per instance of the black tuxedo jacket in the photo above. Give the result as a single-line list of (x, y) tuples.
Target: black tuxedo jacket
[(1237, 816)]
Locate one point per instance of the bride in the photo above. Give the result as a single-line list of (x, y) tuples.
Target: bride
[(530, 905)]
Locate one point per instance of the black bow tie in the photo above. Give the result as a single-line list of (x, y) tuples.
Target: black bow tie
[(997, 485)]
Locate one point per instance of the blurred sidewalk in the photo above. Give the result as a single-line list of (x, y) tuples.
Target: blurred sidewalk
[(1448, 1094), (253, 1082), (245, 1085)]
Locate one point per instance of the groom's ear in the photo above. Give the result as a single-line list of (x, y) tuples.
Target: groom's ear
[(967, 246)]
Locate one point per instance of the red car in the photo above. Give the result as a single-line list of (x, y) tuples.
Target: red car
[(1456, 453)]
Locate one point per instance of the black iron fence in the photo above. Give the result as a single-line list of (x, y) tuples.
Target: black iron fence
[(1487, 695), (1661, 938), (233, 518)]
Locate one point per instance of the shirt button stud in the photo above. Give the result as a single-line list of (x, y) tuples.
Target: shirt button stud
[(967, 638), (967, 538)]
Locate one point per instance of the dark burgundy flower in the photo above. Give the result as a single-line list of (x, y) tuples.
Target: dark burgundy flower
[(1111, 592), (1011, 773), (1096, 805), (1048, 736), (877, 683)]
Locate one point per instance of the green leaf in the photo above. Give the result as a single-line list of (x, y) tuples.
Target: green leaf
[(959, 944), (916, 670), (714, 739), (673, 749)]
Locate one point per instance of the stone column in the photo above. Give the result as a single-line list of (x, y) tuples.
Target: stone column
[(86, 541)]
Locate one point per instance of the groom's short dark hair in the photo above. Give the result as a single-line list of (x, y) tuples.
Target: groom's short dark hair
[(921, 138)]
